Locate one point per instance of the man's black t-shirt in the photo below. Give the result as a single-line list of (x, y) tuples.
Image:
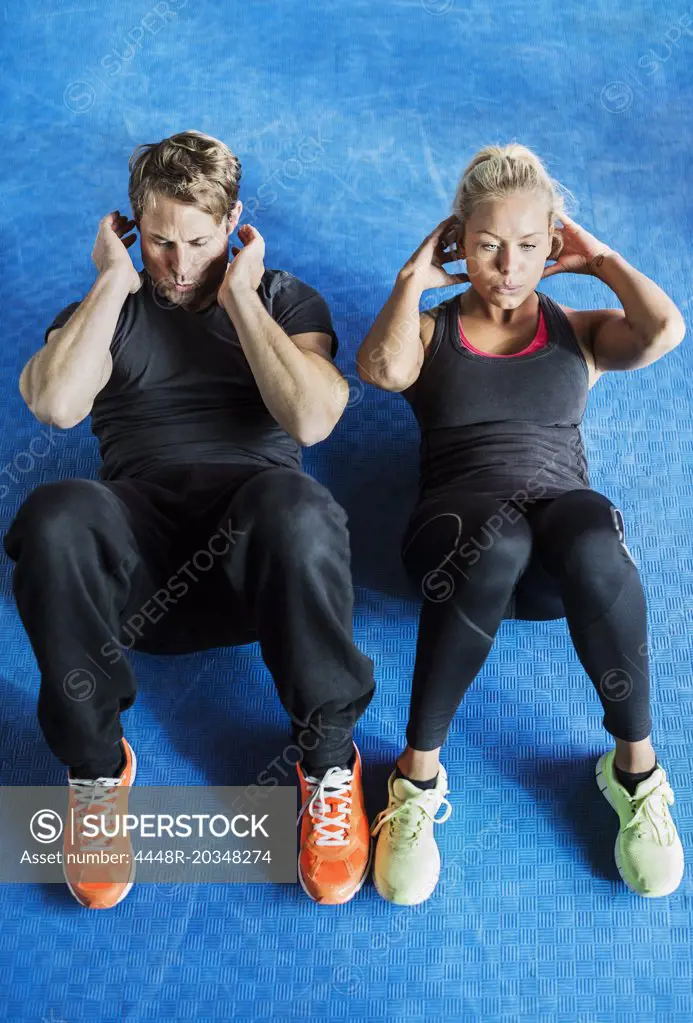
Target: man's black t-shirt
[(182, 391)]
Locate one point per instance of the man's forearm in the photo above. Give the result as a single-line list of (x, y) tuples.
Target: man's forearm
[(303, 394), (64, 376), (649, 311)]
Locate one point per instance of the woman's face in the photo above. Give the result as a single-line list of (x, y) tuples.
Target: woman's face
[(507, 243)]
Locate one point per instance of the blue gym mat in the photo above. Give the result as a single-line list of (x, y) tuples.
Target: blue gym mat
[(353, 123)]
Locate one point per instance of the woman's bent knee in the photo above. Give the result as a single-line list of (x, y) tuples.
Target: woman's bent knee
[(470, 536), (581, 535)]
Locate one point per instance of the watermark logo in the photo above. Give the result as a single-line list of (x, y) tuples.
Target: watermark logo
[(348, 980), (616, 684), (616, 97), (437, 6), (438, 585), (79, 96), (46, 826), (79, 685), (350, 387)]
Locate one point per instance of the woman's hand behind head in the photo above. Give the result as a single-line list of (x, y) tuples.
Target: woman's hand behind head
[(425, 265)]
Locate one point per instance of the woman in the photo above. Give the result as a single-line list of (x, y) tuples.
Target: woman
[(507, 524)]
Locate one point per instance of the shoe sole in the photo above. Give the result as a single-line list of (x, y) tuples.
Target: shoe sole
[(131, 878), (604, 789), (322, 902)]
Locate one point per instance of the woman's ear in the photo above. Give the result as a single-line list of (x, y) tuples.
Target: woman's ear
[(556, 245), (456, 235)]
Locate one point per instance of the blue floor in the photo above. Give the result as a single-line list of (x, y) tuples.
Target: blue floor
[(357, 119)]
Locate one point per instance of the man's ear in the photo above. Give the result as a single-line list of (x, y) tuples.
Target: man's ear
[(233, 217)]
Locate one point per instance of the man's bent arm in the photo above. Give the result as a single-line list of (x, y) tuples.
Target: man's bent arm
[(303, 390), (60, 382)]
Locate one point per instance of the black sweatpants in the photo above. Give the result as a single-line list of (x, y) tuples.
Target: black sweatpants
[(187, 558), (466, 569)]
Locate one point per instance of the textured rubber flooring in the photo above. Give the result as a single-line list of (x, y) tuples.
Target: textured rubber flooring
[(353, 123)]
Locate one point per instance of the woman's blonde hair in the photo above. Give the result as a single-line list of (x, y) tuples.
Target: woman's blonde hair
[(190, 167), (496, 172)]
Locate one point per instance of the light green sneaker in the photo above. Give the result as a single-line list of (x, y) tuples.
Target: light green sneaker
[(648, 850), (406, 865)]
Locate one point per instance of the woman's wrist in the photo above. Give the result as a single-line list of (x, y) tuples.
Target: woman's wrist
[(602, 261), (408, 279)]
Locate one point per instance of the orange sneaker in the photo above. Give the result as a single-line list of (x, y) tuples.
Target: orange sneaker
[(99, 871), (335, 836)]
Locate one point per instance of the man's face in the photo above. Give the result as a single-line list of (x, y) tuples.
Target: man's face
[(507, 242), (184, 250)]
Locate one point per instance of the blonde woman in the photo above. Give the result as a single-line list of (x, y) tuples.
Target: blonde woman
[(507, 524)]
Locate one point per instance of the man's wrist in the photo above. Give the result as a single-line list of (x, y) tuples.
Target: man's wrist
[(237, 296), (117, 277)]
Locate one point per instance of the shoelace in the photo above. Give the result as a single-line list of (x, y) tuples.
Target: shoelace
[(90, 795), (407, 818), (647, 811), (329, 805)]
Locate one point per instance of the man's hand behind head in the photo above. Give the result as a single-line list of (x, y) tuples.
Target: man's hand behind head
[(111, 248)]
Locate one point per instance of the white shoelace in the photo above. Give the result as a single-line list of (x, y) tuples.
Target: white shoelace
[(331, 823), (408, 818), (652, 813), (88, 795)]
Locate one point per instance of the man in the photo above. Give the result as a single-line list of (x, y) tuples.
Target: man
[(203, 378)]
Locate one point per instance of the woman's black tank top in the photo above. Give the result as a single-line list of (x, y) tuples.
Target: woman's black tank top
[(502, 426)]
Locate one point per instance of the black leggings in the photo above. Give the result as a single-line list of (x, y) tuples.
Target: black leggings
[(466, 566)]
